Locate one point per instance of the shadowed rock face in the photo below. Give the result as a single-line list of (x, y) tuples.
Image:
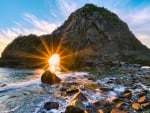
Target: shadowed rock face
[(50, 78), (89, 34)]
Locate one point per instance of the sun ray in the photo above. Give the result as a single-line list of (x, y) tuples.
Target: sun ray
[(42, 52), (39, 64), (52, 45), (59, 47), (29, 55), (45, 45), (66, 56), (64, 68)]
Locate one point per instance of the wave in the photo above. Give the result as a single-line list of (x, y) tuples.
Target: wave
[(19, 85)]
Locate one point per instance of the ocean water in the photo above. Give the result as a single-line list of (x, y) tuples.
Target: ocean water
[(20, 90)]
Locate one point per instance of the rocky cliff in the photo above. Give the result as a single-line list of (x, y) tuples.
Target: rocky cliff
[(88, 36)]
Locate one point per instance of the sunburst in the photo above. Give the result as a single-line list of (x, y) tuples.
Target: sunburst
[(51, 55)]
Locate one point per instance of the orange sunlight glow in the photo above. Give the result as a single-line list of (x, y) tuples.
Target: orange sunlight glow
[(54, 63), (52, 56)]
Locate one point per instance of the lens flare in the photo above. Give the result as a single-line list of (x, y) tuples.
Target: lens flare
[(54, 63)]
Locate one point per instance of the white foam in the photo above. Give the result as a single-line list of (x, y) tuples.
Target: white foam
[(119, 88), (18, 85), (72, 74), (145, 67)]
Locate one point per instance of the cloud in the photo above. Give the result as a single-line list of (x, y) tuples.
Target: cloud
[(144, 38), (39, 27), (138, 20), (140, 24), (66, 7), (140, 17)]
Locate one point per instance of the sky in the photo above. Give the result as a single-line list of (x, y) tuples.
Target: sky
[(23, 17)]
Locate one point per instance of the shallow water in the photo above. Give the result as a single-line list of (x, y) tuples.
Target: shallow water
[(20, 90)]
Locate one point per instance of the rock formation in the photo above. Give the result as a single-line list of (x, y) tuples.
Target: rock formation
[(89, 35)]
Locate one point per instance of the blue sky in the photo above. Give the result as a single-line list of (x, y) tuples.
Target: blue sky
[(23, 17)]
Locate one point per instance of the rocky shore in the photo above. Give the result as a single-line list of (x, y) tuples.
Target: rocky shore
[(120, 90)]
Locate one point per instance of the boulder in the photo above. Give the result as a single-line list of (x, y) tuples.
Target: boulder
[(72, 109), (49, 78), (51, 105), (80, 96), (75, 106), (72, 91)]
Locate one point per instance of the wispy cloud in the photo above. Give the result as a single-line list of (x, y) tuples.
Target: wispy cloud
[(139, 22), (144, 38), (39, 27), (138, 16), (66, 7)]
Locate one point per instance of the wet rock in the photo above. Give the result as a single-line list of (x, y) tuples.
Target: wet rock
[(50, 78), (122, 105), (91, 108), (75, 106), (2, 85), (91, 77), (118, 111), (97, 103), (51, 105), (118, 81), (63, 88), (134, 97), (91, 86), (119, 105), (72, 91), (80, 96), (103, 103), (127, 95), (145, 105), (114, 99), (72, 109), (106, 89), (142, 99), (100, 111), (143, 92), (136, 106), (137, 66), (110, 81), (127, 100)]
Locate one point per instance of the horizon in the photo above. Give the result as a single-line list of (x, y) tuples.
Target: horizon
[(24, 17)]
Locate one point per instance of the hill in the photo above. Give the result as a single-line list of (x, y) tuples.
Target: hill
[(91, 36)]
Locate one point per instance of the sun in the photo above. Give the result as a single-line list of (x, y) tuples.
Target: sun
[(54, 63), (54, 59), (52, 56)]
